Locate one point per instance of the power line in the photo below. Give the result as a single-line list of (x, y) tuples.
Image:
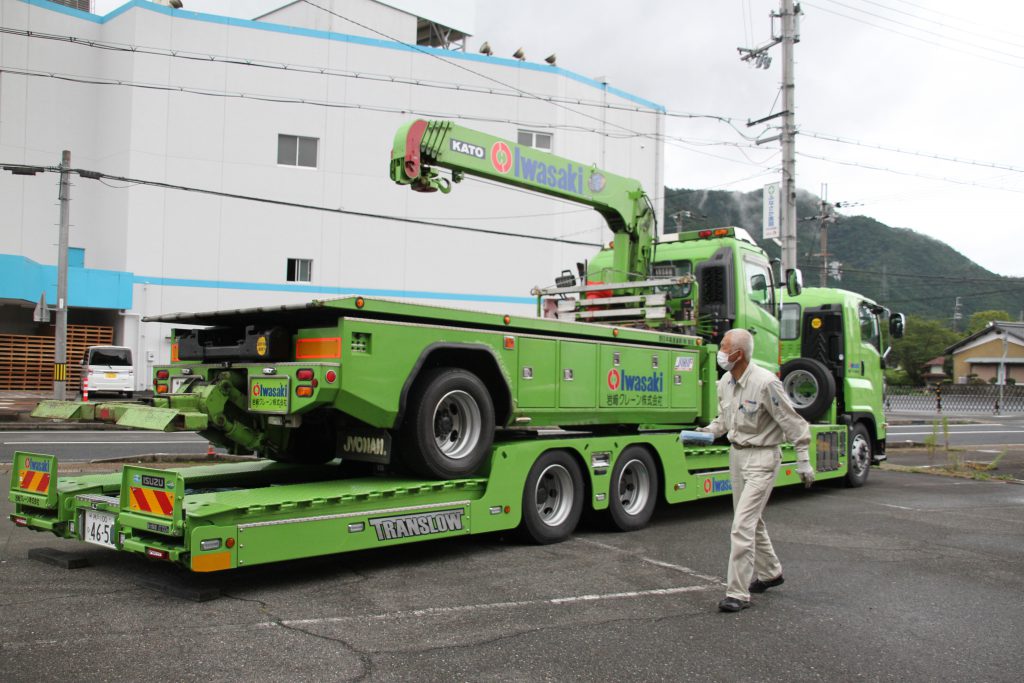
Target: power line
[(96, 175), (299, 68), (926, 31), (907, 173), (913, 37), (898, 150), (929, 278), (680, 143), (942, 24)]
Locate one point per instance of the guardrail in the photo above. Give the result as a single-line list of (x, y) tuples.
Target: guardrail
[(956, 398)]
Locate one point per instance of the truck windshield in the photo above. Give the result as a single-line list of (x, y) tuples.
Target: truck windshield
[(759, 282), (110, 357), (789, 323), (675, 269), (869, 333)]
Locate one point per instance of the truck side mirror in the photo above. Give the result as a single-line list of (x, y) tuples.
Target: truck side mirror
[(897, 323), (794, 282)]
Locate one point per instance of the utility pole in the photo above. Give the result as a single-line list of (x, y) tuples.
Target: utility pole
[(790, 35), (60, 355), (789, 38), (825, 218), (957, 315)]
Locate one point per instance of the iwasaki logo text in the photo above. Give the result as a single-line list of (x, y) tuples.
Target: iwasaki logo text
[(568, 177), (425, 524), (652, 383), (269, 392)]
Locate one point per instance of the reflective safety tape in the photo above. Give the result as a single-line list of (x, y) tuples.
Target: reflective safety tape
[(151, 501), (36, 482)]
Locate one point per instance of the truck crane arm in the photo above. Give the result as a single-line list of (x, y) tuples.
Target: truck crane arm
[(421, 146)]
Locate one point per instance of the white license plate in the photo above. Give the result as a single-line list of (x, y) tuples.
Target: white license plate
[(99, 528)]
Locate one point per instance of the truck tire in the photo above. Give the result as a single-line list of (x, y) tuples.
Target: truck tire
[(449, 428), (809, 385), (861, 455), (552, 498), (634, 489)]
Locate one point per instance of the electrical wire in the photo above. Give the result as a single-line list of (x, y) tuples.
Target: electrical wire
[(942, 24), (926, 155), (913, 37), (908, 173), (926, 31), (96, 175)]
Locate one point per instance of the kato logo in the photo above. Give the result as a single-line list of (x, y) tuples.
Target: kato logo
[(501, 157), (426, 524), (467, 148)]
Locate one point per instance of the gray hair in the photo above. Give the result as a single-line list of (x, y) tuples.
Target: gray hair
[(743, 340)]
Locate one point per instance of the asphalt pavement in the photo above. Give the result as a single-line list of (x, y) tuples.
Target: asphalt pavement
[(911, 577)]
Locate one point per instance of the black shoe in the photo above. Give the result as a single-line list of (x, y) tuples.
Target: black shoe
[(759, 586), (732, 605)]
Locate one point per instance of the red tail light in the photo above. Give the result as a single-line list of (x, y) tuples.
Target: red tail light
[(157, 554), (304, 375)]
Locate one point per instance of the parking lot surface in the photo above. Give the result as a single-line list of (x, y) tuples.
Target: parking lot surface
[(912, 577)]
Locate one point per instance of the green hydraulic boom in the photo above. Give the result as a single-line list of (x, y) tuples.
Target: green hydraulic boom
[(421, 147)]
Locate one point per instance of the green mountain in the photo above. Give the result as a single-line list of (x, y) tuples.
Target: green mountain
[(897, 267)]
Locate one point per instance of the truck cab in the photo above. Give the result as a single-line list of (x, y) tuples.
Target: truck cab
[(731, 283), (834, 344)]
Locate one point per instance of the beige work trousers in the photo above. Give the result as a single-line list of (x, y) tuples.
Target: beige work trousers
[(753, 472)]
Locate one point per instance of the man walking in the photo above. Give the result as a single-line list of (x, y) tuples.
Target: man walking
[(757, 416)]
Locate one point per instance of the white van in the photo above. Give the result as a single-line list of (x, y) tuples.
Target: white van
[(109, 370)]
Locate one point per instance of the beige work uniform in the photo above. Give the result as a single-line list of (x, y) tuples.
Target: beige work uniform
[(757, 416)]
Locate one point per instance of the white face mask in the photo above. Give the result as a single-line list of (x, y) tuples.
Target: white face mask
[(724, 362)]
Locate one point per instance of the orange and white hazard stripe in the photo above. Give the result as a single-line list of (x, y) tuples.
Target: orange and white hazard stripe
[(152, 501), (35, 482)]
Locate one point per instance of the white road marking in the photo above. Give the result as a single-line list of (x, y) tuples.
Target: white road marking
[(898, 507), (96, 443), (515, 604), (952, 433), (685, 570)]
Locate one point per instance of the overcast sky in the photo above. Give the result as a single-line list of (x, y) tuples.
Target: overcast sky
[(875, 72), (934, 77)]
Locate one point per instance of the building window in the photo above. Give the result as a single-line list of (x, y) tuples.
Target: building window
[(300, 270), (532, 138), (295, 150)]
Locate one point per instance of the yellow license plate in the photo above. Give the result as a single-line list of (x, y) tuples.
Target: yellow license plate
[(111, 375)]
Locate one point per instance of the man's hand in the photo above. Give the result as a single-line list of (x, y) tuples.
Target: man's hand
[(803, 468)]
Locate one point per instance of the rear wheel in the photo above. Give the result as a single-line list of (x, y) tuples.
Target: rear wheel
[(552, 498), (861, 455), (634, 489), (449, 427), (809, 386)]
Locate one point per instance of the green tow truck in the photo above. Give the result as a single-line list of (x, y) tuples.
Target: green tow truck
[(379, 422), (834, 345)]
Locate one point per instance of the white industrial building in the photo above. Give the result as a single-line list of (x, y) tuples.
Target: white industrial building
[(299, 105)]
